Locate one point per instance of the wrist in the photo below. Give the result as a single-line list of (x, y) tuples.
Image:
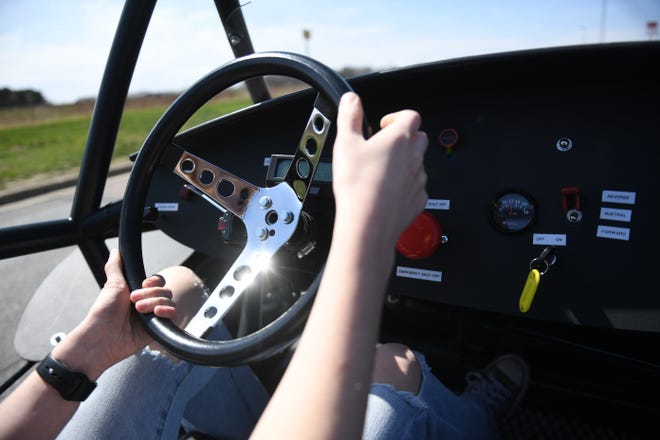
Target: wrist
[(373, 235), (79, 354), (71, 385), (364, 247)]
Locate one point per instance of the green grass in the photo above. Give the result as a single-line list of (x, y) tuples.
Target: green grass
[(55, 144)]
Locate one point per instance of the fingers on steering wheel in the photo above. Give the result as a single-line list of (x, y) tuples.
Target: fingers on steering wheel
[(155, 280), (160, 293), (155, 300)]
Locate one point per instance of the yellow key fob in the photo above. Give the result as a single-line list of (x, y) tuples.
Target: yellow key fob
[(527, 296)]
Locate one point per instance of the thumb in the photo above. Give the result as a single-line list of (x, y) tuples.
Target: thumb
[(350, 116), (113, 270)]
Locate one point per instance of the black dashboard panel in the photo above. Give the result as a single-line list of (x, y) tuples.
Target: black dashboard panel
[(513, 114)]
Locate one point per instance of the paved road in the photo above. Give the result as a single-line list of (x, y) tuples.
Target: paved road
[(22, 275)]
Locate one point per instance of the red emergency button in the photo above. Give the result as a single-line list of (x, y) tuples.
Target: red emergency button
[(422, 237)]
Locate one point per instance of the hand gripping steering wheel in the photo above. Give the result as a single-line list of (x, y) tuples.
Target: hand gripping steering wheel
[(270, 214)]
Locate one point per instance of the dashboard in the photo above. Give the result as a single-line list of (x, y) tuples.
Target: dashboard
[(542, 180)]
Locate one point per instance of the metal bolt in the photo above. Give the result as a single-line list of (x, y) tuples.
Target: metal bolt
[(564, 144), (574, 216), (444, 239), (262, 233), (287, 217), (265, 202), (234, 39)]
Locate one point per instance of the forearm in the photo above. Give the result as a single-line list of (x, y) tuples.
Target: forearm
[(379, 187), (327, 382), (35, 409)]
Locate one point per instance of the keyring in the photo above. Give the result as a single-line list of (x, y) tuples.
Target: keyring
[(540, 264)]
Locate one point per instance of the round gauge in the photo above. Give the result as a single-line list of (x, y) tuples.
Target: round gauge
[(513, 211)]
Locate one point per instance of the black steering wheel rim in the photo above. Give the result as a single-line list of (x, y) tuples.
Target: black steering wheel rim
[(281, 332)]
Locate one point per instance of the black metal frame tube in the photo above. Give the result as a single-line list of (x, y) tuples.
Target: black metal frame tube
[(105, 122), (232, 19), (37, 237), (109, 106)]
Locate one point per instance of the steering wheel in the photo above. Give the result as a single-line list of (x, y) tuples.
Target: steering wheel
[(270, 214)]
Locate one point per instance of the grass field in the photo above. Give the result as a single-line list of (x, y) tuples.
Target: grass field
[(49, 140)]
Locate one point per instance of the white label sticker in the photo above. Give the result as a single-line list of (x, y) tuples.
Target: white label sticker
[(439, 204), (625, 197), (617, 215), (167, 206), (267, 161), (613, 233), (420, 274), (549, 239)]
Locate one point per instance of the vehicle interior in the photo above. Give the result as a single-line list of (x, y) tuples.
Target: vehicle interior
[(537, 239)]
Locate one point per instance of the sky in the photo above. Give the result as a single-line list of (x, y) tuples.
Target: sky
[(60, 47)]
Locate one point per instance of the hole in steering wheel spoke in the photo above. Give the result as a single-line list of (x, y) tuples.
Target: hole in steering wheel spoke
[(206, 177), (319, 124), (311, 147), (225, 188), (187, 166), (210, 312), (303, 168), (226, 292), (242, 273)]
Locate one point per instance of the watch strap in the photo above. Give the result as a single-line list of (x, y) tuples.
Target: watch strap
[(71, 385)]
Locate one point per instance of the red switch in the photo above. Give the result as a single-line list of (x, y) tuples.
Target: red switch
[(422, 237), (570, 198)]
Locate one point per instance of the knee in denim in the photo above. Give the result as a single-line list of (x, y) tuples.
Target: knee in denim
[(396, 365)]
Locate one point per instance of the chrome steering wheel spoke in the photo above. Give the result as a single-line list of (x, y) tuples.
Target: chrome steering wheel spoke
[(270, 218), (229, 191), (308, 154)]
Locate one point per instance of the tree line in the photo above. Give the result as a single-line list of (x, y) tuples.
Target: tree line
[(20, 98), (25, 98)]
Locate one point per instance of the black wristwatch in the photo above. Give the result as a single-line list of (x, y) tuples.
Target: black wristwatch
[(71, 385)]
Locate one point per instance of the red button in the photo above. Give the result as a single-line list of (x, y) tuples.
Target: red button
[(448, 138), (185, 193), (422, 237)]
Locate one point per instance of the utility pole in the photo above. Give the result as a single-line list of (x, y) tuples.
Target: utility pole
[(652, 29), (603, 20), (307, 35)]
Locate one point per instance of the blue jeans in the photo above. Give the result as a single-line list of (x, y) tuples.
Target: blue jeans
[(148, 397), (435, 412)]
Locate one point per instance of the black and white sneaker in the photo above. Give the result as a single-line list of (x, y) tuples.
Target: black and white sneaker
[(501, 385)]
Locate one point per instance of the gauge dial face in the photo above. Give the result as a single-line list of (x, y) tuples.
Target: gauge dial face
[(513, 212)]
